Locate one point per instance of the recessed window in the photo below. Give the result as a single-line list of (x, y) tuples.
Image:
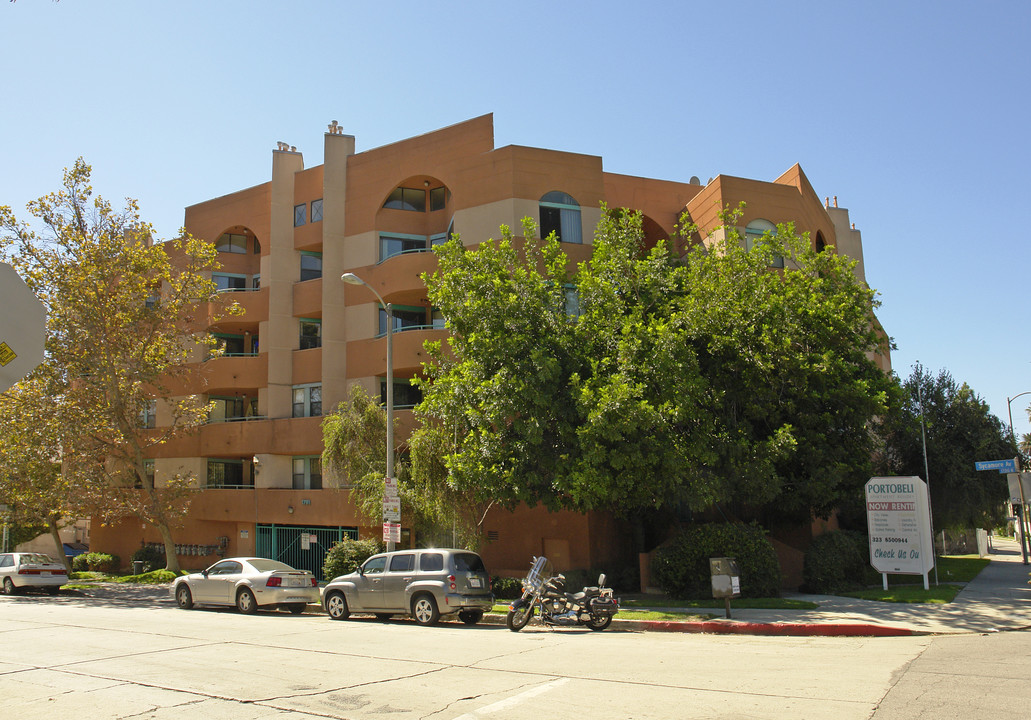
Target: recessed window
[(232, 344), (316, 211), (406, 395), (307, 400), (230, 243), (438, 198), (406, 317), (307, 473), (311, 265), (390, 245), (560, 214), (227, 474), (226, 409), (227, 282), (402, 198), (148, 415), (300, 213), (311, 334), (755, 231)]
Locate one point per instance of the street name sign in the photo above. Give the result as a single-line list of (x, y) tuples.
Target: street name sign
[(899, 522), (23, 326), (1003, 466)]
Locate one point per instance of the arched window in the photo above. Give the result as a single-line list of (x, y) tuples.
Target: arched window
[(560, 214), (821, 244), (755, 230)]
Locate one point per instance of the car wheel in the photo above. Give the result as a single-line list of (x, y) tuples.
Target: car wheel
[(336, 606), (296, 608), (183, 596), (384, 616), (9, 587), (245, 602), (424, 609), (52, 590), (470, 617)]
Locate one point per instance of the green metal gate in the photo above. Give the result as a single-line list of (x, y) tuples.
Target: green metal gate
[(304, 548)]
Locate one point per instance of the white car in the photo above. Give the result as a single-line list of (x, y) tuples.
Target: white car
[(248, 583), (31, 570)]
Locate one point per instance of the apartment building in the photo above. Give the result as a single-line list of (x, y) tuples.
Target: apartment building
[(305, 336)]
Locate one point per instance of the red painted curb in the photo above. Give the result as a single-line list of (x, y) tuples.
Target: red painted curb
[(787, 629)]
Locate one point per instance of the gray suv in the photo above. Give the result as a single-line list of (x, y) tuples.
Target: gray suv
[(426, 584)]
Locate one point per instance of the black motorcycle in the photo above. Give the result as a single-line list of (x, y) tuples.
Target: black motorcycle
[(545, 592)]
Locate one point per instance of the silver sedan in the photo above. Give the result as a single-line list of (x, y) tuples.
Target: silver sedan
[(31, 570), (248, 583)]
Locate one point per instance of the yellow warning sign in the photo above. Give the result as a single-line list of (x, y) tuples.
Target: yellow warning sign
[(6, 354)]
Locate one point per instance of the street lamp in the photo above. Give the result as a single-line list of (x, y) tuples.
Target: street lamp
[(1020, 479), (353, 279)]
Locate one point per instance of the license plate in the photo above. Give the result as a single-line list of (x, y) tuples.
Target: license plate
[(45, 573), (474, 582), (295, 582)]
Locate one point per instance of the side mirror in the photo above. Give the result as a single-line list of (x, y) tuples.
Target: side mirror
[(361, 570), (601, 580), (204, 573)]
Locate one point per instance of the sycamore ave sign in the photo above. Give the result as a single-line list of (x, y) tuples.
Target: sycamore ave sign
[(899, 522)]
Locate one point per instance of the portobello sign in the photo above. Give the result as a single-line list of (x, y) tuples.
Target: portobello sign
[(899, 522)]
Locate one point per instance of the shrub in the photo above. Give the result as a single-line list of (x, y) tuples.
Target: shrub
[(345, 556), (681, 567), (506, 588), (96, 562), (152, 556), (837, 561)]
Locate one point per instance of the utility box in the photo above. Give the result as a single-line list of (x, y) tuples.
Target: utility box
[(726, 579)]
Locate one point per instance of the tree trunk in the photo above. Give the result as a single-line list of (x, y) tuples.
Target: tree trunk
[(171, 559), (56, 535)]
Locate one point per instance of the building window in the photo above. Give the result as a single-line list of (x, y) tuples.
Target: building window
[(227, 474), (407, 199), (148, 415), (390, 245), (438, 198), (231, 344), (300, 213), (316, 210), (307, 400), (311, 265), (755, 231), (406, 317), (228, 282), (229, 243), (560, 214), (437, 319), (311, 334), (256, 282), (406, 395), (308, 473), (226, 409)]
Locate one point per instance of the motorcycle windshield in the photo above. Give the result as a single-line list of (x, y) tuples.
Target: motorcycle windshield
[(540, 573)]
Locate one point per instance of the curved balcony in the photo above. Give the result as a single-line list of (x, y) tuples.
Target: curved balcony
[(368, 358), (397, 278), (308, 298), (234, 371), (254, 304)]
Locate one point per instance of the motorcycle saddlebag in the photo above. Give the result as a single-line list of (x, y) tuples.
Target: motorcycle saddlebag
[(604, 606)]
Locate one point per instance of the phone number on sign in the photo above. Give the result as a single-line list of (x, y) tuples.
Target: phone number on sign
[(889, 540)]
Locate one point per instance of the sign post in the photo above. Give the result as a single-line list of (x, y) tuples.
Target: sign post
[(899, 520), (391, 513), (1011, 467)]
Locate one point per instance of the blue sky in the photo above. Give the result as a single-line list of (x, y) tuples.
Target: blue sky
[(912, 113)]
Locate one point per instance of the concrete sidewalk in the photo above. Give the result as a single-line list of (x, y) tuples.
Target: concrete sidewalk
[(998, 599)]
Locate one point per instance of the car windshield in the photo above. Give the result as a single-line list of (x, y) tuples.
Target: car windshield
[(468, 562), (264, 565), (36, 559)]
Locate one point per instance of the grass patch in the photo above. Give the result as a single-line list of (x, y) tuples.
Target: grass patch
[(939, 594), (740, 603)]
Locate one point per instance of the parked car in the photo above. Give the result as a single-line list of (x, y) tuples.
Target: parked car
[(31, 570), (248, 583), (426, 584)]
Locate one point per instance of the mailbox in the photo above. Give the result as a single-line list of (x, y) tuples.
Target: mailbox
[(726, 578)]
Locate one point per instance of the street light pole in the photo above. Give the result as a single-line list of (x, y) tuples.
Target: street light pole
[(355, 280), (1020, 480)]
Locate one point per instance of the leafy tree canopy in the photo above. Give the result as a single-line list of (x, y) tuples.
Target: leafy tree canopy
[(643, 378)]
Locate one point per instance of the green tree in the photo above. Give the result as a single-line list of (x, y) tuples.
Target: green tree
[(644, 379), (960, 430), (125, 319)]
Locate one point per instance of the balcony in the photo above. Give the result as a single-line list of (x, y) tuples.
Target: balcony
[(254, 304), (308, 298), (368, 358), (234, 371)]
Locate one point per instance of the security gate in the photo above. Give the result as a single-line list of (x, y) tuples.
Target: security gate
[(303, 548)]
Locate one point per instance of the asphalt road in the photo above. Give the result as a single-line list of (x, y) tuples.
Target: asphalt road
[(140, 657)]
